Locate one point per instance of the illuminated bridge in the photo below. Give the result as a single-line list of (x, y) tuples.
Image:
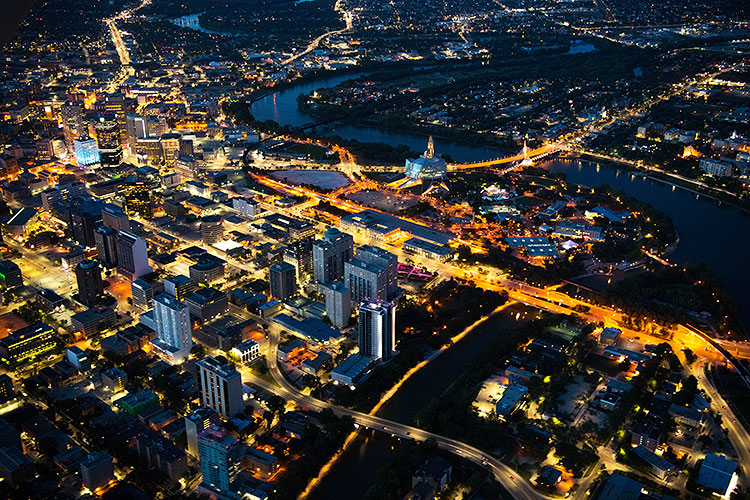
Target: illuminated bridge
[(525, 154)]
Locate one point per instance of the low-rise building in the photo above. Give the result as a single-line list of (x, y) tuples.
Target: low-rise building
[(27, 342), (246, 352)]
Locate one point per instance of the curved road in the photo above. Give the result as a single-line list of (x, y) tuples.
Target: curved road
[(514, 483)]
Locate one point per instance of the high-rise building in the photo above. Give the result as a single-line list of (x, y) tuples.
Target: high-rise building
[(114, 217), (86, 150), (207, 303), (221, 387), (179, 287), (384, 259), (143, 293), (10, 274), (283, 279), (108, 141), (116, 107), (221, 460), (137, 194), (174, 336), (89, 279), (170, 143), (195, 423), (365, 281), (84, 218), (97, 471), (144, 126), (338, 303), (376, 329), (330, 254), (72, 117), (132, 256), (212, 229), (105, 239), (299, 254)]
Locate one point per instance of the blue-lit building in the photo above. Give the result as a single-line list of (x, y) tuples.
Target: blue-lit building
[(86, 150), (221, 459)]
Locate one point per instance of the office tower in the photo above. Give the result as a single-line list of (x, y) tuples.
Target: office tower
[(207, 304), (299, 254), (143, 127), (89, 279), (329, 255), (84, 218), (114, 217), (116, 107), (384, 259), (86, 150), (97, 471), (365, 281), (10, 274), (221, 460), (338, 303), (137, 195), (170, 143), (105, 239), (132, 257), (174, 336), (72, 117), (376, 329), (143, 293), (283, 279), (108, 141), (212, 229), (195, 423), (221, 387), (179, 287)]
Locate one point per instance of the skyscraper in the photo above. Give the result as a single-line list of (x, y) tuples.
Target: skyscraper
[(132, 256), (338, 303), (283, 279), (108, 141), (221, 387), (376, 329), (105, 239), (365, 281), (330, 254), (174, 336), (89, 279), (384, 259), (86, 150), (220, 457)]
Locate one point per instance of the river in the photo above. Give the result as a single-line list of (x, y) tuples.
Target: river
[(710, 233), (281, 107), (716, 235), (358, 468)]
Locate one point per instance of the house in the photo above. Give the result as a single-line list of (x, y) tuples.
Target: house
[(435, 471), (718, 475)]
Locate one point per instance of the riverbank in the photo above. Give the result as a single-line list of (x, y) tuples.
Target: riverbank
[(658, 175)]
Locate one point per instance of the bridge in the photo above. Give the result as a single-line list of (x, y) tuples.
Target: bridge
[(522, 157)]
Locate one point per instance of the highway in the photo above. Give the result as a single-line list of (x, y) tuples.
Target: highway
[(348, 18)]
